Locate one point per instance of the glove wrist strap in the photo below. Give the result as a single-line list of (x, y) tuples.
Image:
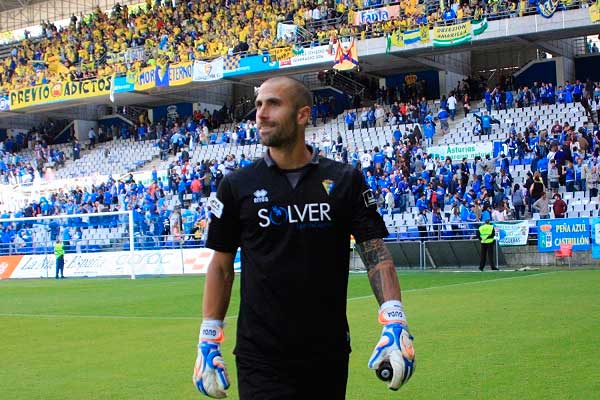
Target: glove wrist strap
[(391, 312), (211, 330)]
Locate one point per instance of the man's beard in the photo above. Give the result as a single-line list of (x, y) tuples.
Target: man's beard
[(280, 136)]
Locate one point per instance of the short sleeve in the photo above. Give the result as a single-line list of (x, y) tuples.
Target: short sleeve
[(367, 223), (224, 227)]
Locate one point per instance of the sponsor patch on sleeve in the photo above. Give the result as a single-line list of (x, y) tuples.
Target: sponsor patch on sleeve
[(369, 198), (216, 207)]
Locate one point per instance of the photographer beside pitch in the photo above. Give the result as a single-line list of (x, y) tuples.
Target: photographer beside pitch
[(292, 214)]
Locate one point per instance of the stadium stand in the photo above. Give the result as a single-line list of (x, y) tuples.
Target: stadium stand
[(403, 184), (166, 170), (94, 45)]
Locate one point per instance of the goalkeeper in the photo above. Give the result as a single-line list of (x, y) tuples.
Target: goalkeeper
[(292, 214)]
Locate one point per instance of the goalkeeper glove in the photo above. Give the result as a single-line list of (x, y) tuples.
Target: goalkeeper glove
[(394, 352), (210, 376)]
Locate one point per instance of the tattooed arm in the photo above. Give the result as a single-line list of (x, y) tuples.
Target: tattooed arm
[(380, 269)]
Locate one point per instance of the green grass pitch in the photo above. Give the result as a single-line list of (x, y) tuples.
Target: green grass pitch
[(507, 335)]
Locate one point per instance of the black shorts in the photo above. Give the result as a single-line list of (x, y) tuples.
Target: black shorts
[(269, 380)]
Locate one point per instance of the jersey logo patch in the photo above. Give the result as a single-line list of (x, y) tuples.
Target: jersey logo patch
[(260, 196), (328, 185), (369, 198), (216, 207)]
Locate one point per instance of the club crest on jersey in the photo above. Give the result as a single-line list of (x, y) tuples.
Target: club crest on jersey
[(260, 196), (369, 198), (328, 185)]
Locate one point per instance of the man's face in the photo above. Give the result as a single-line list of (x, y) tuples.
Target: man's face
[(277, 119)]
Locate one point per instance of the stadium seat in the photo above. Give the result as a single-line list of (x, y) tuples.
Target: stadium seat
[(565, 252)]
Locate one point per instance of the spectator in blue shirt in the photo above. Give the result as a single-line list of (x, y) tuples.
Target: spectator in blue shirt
[(488, 99), (449, 14), (350, 118), (443, 117), (429, 132), (569, 177)]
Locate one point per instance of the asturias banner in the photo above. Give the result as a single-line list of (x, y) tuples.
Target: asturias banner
[(460, 151)]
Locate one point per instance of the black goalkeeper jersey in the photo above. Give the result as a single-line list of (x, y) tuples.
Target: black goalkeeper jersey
[(295, 254)]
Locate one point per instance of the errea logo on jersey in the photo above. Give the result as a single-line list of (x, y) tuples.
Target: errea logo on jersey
[(260, 196)]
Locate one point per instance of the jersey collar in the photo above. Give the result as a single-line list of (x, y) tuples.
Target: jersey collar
[(271, 164)]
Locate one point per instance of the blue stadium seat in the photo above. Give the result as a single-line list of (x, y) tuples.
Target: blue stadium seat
[(413, 233), (392, 237)]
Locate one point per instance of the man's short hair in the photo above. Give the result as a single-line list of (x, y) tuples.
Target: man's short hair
[(301, 95)]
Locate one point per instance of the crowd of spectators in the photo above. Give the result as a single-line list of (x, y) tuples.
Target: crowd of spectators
[(94, 45), (401, 173)]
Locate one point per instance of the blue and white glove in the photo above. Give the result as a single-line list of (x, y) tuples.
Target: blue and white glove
[(395, 347), (210, 376)]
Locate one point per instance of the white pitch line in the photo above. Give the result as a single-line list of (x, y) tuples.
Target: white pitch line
[(142, 317), (134, 317), (459, 284)]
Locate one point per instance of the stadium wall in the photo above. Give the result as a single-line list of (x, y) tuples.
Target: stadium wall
[(537, 71), (565, 70), (431, 77), (158, 113), (588, 67), (82, 128)]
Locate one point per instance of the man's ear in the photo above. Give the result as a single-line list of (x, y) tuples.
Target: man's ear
[(303, 115)]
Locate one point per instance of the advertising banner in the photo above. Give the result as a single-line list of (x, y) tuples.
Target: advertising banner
[(595, 12), (376, 15), (547, 8), (114, 263), (596, 237), (208, 71), (308, 56), (4, 103), (8, 264), (122, 85), (286, 31), (130, 55), (452, 35), (60, 91), (135, 53), (180, 74), (114, 58), (553, 232), (235, 65), (281, 53), (151, 77), (400, 38), (512, 233), (460, 151), (346, 55)]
